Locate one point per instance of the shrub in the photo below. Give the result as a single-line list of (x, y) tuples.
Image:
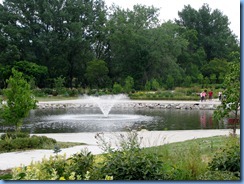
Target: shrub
[(17, 141), (129, 84), (117, 88), (81, 164), (39, 93), (228, 159), (130, 162), (14, 135), (57, 168), (72, 92), (47, 169), (6, 146), (47, 91)]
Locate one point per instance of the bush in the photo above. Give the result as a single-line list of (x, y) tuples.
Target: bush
[(14, 135), (228, 159), (132, 165), (6, 146), (22, 141), (130, 162), (72, 92), (39, 93), (47, 169), (57, 168), (81, 164), (117, 88)]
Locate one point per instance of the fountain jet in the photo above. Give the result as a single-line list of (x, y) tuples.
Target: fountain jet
[(106, 102)]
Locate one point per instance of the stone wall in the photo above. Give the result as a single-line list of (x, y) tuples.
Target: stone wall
[(137, 105)]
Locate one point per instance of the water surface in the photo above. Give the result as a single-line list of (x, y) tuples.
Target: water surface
[(92, 120)]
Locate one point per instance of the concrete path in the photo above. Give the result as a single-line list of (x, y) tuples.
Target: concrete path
[(149, 138)]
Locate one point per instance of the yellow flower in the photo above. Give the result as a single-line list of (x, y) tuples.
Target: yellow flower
[(62, 178)]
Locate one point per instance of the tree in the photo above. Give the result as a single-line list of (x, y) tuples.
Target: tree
[(61, 35), (200, 79), (97, 73), (187, 81), (59, 85), (230, 105), (155, 85), (33, 71), (212, 31), (129, 84), (170, 82), (19, 100), (215, 66)]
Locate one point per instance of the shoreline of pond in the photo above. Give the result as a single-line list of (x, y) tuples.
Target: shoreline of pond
[(135, 104)]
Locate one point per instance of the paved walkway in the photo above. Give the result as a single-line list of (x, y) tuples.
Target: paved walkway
[(149, 138)]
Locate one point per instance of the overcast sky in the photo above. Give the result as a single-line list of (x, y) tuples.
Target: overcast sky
[(169, 8)]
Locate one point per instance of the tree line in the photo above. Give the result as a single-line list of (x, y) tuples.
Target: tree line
[(87, 44)]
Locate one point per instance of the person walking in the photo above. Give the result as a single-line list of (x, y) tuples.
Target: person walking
[(203, 95), (210, 95), (220, 96)]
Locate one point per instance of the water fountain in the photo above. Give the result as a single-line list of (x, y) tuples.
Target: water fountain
[(106, 102), (98, 115), (103, 114)]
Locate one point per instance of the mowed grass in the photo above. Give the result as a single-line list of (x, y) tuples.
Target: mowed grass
[(55, 98), (205, 146)]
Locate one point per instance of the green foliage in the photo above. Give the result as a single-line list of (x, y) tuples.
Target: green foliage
[(231, 104), (213, 78), (212, 32), (200, 78), (14, 135), (148, 86), (178, 94), (177, 161), (218, 175), (186, 164), (68, 35), (47, 169), (6, 177), (216, 67), (155, 85), (57, 168), (187, 81), (130, 162), (97, 73), (81, 163), (170, 82), (59, 85), (22, 141), (129, 84), (32, 71), (117, 88), (229, 159), (19, 98), (206, 81)]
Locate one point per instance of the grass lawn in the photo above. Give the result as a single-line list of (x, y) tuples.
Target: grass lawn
[(55, 98)]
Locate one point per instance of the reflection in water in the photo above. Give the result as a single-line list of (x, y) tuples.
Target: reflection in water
[(206, 121), (91, 120)]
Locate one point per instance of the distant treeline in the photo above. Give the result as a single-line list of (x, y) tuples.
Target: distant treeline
[(87, 44)]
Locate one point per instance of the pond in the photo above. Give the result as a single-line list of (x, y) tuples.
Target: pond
[(92, 120)]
